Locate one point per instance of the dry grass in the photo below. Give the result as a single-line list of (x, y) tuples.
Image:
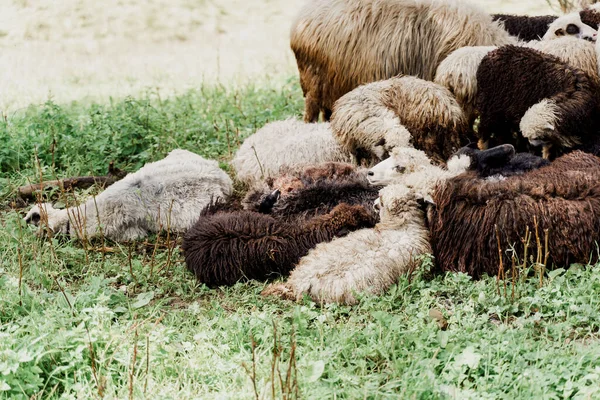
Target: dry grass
[(78, 49)]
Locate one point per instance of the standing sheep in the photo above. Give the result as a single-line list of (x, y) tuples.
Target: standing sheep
[(563, 197), (224, 248), (284, 144), (552, 103), (364, 261), (166, 194), (402, 111), (341, 44)]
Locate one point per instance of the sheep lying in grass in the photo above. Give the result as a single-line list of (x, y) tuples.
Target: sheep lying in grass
[(224, 248), (166, 194), (313, 190), (411, 167), (284, 144), (402, 111), (563, 197), (364, 261)]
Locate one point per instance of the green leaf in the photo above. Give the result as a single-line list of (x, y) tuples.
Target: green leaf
[(315, 370), (143, 299)]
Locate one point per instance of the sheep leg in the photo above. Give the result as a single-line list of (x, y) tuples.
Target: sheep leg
[(311, 108)]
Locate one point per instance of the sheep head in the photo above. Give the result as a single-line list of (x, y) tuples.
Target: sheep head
[(402, 161), (44, 214), (570, 25)]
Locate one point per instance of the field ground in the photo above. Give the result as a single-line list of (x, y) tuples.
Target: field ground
[(131, 322), (117, 321)]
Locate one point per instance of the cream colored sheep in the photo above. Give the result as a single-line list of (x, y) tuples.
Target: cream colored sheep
[(398, 112), (367, 260), (285, 144), (169, 193)]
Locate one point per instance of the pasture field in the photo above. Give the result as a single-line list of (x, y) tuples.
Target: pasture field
[(117, 321)]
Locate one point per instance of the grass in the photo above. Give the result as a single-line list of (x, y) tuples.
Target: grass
[(131, 322)]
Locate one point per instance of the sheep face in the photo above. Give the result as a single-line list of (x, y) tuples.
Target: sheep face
[(570, 25), (402, 161), (44, 214)]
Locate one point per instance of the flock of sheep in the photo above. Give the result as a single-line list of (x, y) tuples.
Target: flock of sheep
[(446, 131)]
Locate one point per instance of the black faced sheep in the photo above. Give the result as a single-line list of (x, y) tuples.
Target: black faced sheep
[(550, 102), (364, 261), (500, 161), (166, 194), (563, 197), (283, 144), (341, 44), (402, 111), (224, 248)]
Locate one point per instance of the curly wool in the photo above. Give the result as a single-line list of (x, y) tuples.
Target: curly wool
[(563, 197), (402, 111), (166, 194), (512, 79), (341, 44), (283, 144), (225, 248), (365, 261)]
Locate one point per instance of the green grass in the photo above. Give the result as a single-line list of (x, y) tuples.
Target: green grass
[(82, 323)]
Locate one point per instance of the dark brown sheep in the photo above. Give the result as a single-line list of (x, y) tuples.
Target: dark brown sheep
[(564, 197), (550, 102), (315, 190), (525, 27), (227, 247)]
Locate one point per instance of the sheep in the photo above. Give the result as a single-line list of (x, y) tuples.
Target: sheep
[(550, 102), (341, 44), (578, 53), (313, 190), (224, 248), (458, 73), (402, 111), (581, 24), (283, 144), (166, 194), (411, 167), (364, 261), (525, 27), (563, 197), (414, 169), (500, 161)]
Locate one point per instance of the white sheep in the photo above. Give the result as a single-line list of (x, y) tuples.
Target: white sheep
[(414, 169), (284, 144), (166, 194), (364, 261), (374, 118)]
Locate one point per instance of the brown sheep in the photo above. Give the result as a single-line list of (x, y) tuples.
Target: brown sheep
[(564, 197), (224, 248), (341, 44)]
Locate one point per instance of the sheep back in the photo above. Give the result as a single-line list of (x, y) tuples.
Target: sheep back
[(341, 44), (564, 197)]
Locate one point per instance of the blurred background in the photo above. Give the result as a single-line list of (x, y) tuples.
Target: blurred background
[(88, 49)]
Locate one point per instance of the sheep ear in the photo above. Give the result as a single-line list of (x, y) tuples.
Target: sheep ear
[(425, 199), (549, 127), (559, 32)]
